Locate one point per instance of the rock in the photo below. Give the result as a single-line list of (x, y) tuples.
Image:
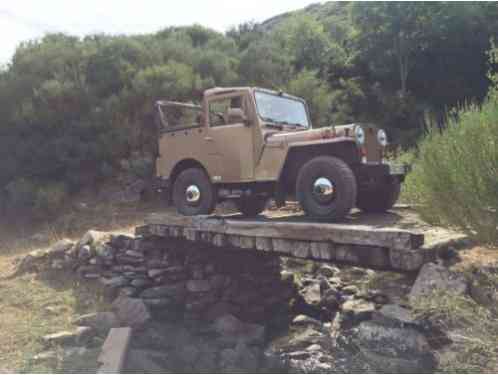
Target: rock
[(395, 314), (91, 237), (330, 299), (57, 264), (131, 312), (156, 272), (105, 251), (46, 356), (85, 252), (140, 283), (198, 286), (434, 278), (304, 320), (114, 282), (158, 302), (81, 335), (133, 253), (233, 330), (391, 349), (128, 291), (121, 241), (328, 271), (60, 248), (358, 310), (100, 321), (173, 290), (350, 289), (311, 294)]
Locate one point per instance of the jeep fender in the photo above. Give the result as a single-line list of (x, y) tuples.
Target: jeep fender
[(300, 152)]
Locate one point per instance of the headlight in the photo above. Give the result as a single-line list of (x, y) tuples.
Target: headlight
[(360, 135), (382, 137)]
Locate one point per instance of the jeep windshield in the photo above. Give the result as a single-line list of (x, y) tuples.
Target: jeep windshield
[(281, 110)]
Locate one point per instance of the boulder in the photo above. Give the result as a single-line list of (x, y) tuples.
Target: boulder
[(395, 315), (102, 322), (391, 349), (131, 312), (434, 278)]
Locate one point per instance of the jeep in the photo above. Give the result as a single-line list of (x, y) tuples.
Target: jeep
[(249, 144)]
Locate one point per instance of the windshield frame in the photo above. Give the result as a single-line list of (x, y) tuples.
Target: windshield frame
[(286, 96)]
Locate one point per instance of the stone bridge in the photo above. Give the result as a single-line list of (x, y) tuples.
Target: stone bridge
[(363, 241)]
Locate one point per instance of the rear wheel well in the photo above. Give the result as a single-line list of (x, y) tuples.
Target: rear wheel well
[(298, 156), (182, 165)]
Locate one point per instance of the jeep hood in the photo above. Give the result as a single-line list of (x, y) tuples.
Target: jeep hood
[(311, 135)]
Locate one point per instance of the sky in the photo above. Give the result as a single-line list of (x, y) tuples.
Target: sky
[(28, 19)]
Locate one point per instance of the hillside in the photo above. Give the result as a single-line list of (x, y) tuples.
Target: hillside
[(76, 113)]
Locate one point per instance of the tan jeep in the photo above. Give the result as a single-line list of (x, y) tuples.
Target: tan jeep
[(250, 144)]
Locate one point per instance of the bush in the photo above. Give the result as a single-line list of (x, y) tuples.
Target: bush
[(455, 177)]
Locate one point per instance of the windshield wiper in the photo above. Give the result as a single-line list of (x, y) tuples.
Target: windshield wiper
[(272, 123)]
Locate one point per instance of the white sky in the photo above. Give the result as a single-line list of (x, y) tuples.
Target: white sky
[(27, 19)]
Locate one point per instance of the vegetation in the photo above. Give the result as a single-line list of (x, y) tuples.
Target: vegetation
[(455, 176), (76, 112)]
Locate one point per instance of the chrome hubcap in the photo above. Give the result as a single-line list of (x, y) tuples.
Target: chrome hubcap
[(323, 189), (192, 194)]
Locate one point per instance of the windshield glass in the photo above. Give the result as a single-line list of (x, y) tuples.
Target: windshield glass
[(281, 109)]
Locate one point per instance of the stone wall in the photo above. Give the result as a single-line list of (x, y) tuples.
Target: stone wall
[(198, 282)]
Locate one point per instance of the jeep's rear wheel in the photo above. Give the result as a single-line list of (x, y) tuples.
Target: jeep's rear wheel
[(193, 193), (326, 188), (251, 206), (379, 199)]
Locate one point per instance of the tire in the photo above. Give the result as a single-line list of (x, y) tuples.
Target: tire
[(379, 199), (206, 198), (251, 206), (337, 202)]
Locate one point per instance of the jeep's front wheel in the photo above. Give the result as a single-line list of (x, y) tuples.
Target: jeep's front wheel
[(326, 188), (193, 193), (251, 206), (379, 199)]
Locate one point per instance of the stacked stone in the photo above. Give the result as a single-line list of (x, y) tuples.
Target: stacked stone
[(199, 281)]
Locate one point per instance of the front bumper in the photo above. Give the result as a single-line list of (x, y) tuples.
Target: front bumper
[(378, 172)]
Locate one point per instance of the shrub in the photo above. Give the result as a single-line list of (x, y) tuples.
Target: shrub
[(455, 177)]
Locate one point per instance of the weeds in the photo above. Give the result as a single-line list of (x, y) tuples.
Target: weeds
[(455, 175)]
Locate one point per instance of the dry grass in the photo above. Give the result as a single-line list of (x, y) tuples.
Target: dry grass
[(28, 302), (473, 327)]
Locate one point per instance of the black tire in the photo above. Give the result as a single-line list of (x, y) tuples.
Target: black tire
[(379, 199), (251, 206), (207, 198), (342, 199)]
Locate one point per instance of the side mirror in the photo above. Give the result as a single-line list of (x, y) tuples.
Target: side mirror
[(236, 115)]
